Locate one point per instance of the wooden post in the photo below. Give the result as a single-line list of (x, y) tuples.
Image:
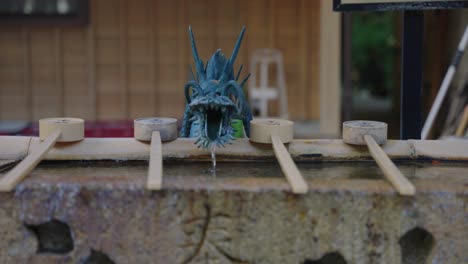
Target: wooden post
[(463, 122), (330, 43)]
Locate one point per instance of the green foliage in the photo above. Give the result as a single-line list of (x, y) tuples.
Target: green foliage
[(373, 51)]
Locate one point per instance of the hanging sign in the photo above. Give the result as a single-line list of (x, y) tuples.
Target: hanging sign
[(386, 5)]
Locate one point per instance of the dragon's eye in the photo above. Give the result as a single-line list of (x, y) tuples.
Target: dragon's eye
[(192, 89), (233, 98)]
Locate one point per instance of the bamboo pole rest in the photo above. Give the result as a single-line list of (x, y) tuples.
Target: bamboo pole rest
[(463, 123), (278, 132), (373, 133), (242, 149), (156, 129), (51, 130)]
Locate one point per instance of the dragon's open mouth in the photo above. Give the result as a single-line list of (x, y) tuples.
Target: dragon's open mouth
[(212, 121)]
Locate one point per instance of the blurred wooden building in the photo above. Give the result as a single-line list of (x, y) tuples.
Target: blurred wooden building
[(131, 58)]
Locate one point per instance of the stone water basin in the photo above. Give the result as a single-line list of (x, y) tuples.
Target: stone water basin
[(98, 211)]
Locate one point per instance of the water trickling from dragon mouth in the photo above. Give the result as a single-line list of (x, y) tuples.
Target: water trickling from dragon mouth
[(213, 160)]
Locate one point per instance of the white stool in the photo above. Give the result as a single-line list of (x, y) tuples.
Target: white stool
[(261, 94)]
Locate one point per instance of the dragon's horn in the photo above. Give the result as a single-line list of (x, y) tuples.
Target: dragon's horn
[(198, 63), (239, 72), (245, 80), (228, 66), (237, 46)]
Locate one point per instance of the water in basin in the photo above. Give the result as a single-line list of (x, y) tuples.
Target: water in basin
[(310, 170)]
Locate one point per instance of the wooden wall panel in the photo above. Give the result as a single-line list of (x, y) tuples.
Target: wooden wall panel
[(170, 95), (139, 63), (184, 56), (77, 97), (310, 64), (109, 53), (228, 26), (14, 63), (241, 20), (257, 30), (286, 38), (132, 59), (202, 16), (46, 91)]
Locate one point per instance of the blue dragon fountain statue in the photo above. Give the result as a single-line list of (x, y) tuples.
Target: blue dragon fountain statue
[(215, 99)]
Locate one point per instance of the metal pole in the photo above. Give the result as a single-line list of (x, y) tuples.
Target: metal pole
[(411, 81), (444, 86)]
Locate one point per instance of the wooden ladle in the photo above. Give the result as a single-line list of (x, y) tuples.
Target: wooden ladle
[(372, 134), (155, 129), (51, 130), (278, 132)]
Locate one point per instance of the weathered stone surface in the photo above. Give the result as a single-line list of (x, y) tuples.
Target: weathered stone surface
[(231, 220), (17, 242)]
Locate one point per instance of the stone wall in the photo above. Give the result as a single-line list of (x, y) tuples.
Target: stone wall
[(114, 219)]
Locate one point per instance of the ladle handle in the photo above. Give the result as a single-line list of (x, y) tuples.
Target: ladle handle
[(288, 166), (391, 172), (20, 171), (155, 170)]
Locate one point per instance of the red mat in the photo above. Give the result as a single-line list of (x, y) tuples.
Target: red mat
[(92, 129)]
